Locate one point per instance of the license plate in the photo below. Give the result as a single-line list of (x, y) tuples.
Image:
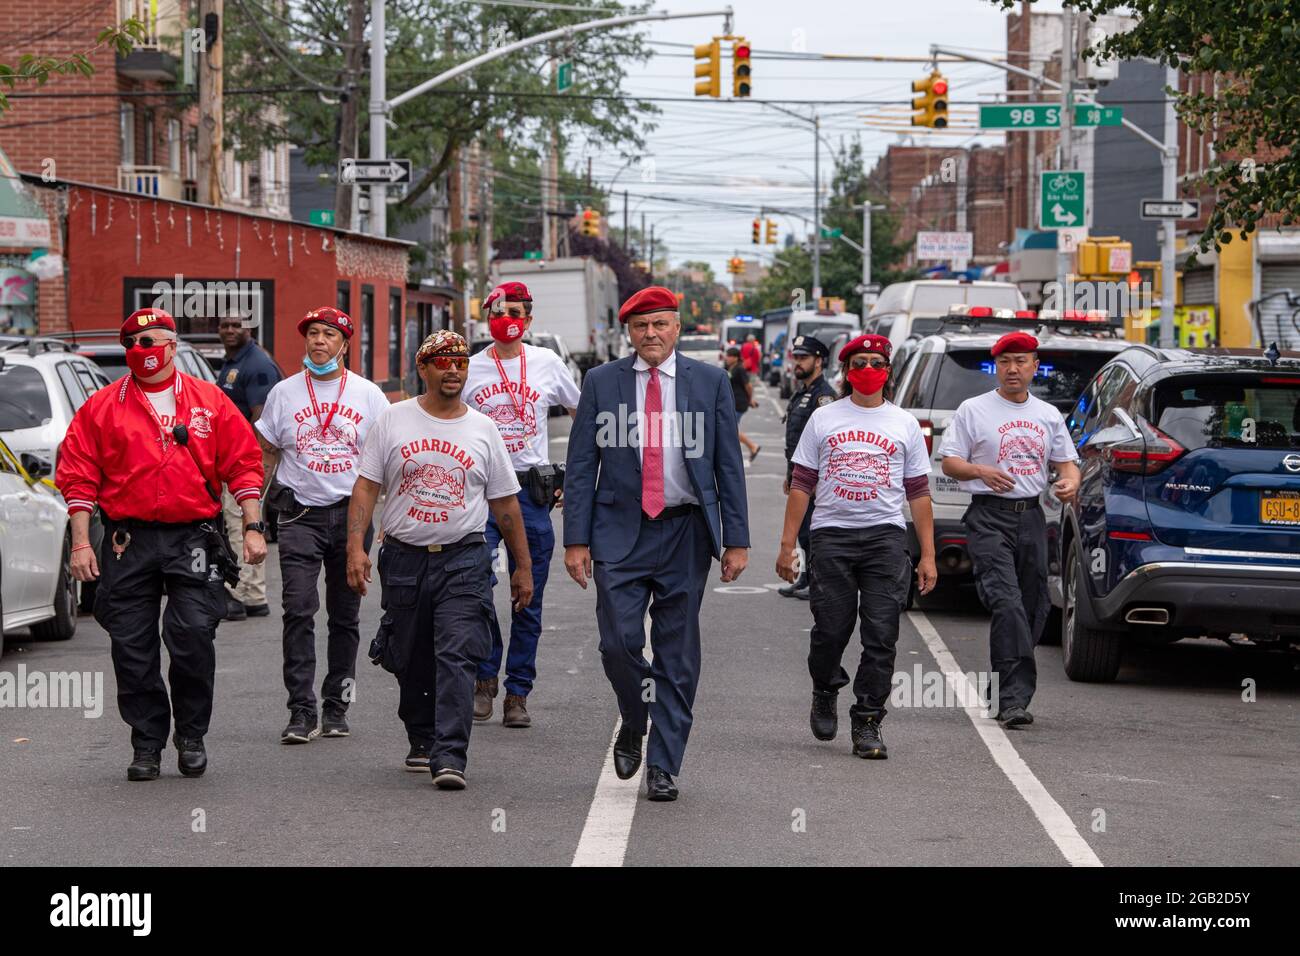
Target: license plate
[(1280, 507)]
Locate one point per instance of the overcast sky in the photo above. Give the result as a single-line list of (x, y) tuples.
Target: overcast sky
[(716, 162)]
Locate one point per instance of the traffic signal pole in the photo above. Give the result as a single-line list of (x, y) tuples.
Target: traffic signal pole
[(381, 106), (1064, 260)]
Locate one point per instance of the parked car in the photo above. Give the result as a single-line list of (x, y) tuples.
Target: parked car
[(701, 347), (36, 584), (105, 349), (945, 369), (920, 307), (556, 343), (42, 384), (1187, 522)]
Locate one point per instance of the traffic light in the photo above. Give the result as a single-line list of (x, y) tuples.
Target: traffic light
[(590, 222), (771, 233), (740, 72), (708, 64), (757, 232), (931, 107), (735, 265)]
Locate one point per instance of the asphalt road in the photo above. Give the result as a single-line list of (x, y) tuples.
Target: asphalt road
[(1168, 765)]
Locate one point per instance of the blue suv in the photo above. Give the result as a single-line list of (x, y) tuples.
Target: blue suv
[(1187, 521)]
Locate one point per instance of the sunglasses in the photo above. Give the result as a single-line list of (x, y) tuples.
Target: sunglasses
[(144, 341), (861, 362), (444, 362)]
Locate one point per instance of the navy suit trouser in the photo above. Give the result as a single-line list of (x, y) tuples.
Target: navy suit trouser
[(666, 570)]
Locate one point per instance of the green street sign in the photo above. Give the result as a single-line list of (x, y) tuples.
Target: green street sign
[(831, 233), (533, 254), (1046, 116), (321, 217), (564, 76), (1061, 205)]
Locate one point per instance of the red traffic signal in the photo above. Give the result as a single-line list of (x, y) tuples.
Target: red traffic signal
[(742, 50), (940, 87)]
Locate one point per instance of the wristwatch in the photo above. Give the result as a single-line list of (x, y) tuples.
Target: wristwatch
[(258, 526)]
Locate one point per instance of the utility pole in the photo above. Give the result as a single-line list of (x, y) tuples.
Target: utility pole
[(817, 210), (455, 210), (484, 219), (353, 58), (1169, 170), (641, 240), (211, 121), (1065, 260), (627, 236), (378, 116), (651, 260), (1031, 163)]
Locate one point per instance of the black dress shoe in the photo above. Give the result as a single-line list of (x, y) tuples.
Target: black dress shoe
[(144, 765), (257, 610), (191, 758), (659, 785), (1014, 717), (627, 752), (823, 719), (790, 589), (804, 593)]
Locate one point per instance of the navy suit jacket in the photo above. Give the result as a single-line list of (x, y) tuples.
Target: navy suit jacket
[(602, 483)]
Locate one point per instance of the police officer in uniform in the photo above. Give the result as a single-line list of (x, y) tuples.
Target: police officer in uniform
[(809, 355), (999, 447), (152, 451), (443, 466)]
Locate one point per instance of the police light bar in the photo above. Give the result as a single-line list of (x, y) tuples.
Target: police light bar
[(1028, 318)]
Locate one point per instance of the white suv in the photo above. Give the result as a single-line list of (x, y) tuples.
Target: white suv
[(42, 384), (945, 369)]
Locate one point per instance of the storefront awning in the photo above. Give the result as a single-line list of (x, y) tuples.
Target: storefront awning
[(22, 220)]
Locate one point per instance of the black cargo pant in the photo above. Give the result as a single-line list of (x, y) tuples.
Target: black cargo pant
[(177, 560), (438, 605), (319, 536), (860, 574), (1009, 551)]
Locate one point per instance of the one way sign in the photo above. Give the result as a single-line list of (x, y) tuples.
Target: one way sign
[(1171, 209), (367, 172)]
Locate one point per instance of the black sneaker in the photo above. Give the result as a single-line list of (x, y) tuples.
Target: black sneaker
[(235, 611), (191, 758), (1014, 717), (790, 589), (867, 742), (301, 729), (449, 779), (333, 724), (823, 719), (417, 761), (144, 765)]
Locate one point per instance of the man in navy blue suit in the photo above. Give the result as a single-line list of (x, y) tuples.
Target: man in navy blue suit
[(654, 491)]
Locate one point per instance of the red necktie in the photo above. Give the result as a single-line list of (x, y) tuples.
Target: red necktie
[(652, 456)]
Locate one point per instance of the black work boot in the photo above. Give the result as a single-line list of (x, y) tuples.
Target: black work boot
[(823, 719), (191, 758), (144, 765), (867, 742)]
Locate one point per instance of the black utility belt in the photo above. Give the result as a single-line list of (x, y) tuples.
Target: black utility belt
[(282, 499), (135, 524), (470, 539), (676, 511), (542, 482), (1006, 504)]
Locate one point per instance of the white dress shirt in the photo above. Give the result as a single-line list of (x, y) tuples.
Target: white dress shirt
[(677, 484)]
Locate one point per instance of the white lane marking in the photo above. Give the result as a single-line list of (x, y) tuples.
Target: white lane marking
[(1050, 814), (775, 406), (608, 828)]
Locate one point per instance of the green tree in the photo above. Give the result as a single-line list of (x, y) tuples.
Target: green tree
[(841, 267), (37, 70), (1253, 114)]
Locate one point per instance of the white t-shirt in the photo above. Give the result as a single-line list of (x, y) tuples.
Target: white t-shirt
[(437, 473), (548, 383), (1018, 437), (164, 403), (320, 468), (861, 456)]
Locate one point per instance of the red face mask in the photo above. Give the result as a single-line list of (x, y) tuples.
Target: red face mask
[(868, 380), (146, 363), (506, 328)]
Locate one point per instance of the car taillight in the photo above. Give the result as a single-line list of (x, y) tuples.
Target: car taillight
[(1128, 535), (1148, 454), (927, 431)]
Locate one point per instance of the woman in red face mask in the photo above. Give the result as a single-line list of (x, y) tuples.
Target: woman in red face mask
[(865, 460)]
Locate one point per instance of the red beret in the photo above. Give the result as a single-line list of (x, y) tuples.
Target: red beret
[(653, 298), (507, 292), (866, 343), (327, 315), (1015, 342), (143, 319)]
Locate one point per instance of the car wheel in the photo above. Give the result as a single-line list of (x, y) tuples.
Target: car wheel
[(1089, 655), (64, 623)]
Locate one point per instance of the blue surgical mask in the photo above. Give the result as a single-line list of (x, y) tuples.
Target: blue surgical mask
[(316, 369)]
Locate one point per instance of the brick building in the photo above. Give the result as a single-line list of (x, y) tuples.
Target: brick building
[(947, 189)]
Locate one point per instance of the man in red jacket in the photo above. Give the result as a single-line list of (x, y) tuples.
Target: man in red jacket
[(152, 451)]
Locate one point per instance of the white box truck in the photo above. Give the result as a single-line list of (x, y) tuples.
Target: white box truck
[(576, 298)]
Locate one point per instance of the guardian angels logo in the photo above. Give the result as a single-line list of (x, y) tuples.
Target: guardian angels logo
[(201, 421), (1022, 448), (508, 422), (864, 470), (433, 484), (340, 442)]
